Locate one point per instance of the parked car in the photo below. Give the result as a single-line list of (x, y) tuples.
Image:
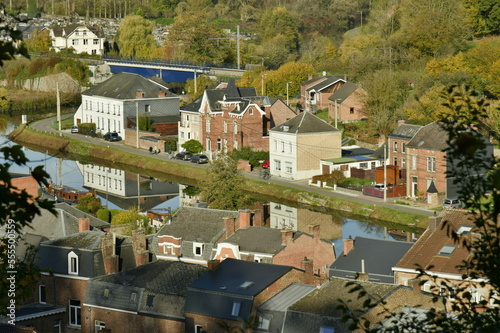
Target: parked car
[(74, 129), (381, 185), (266, 164), (185, 156), (112, 136), (199, 158), (451, 203)]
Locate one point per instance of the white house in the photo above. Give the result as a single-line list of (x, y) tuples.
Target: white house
[(81, 38), (297, 146), (125, 96)]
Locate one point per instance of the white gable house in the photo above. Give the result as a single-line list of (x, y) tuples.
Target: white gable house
[(80, 38), (124, 97)]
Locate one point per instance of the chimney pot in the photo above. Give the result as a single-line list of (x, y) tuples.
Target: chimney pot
[(308, 266), (286, 237), (139, 94), (348, 245), (314, 230), (245, 218)]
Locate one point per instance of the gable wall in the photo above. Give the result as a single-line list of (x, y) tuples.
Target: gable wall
[(355, 100), (421, 172)]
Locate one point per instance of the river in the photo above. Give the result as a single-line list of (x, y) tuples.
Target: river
[(122, 189)]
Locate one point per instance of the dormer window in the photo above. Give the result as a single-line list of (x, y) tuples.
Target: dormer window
[(72, 263), (198, 249), (236, 309), (464, 230)]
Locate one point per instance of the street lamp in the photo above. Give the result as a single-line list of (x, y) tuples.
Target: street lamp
[(287, 92), (262, 86)]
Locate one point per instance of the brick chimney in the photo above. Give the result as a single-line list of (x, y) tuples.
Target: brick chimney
[(434, 222), (348, 245), (139, 94), (314, 230), (139, 245), (286, 236), (211, 264), (245, 218), (83, 224), (308, 266), (415, 285), (162, 94), (229, 226), (108, 245), (401, 122)]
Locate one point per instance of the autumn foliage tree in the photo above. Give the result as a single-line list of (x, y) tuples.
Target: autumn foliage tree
[(135, 37)]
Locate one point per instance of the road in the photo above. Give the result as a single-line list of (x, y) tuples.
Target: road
[(44, 125)]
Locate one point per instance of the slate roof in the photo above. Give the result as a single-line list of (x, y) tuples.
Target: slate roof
[(405, 131), (431, 137), (255, 239), (305, 122), (425, 251), (67, 30), (343, 92), (379, 256), (197, 224), (215, 292), (288, 296), (324, 301), (125, 86), (37, 310), (330, 80), (89, 240)]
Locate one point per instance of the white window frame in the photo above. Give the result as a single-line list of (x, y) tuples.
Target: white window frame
[(395, 146), (225, 126), (99, 325), (414, 162), (264, 322), (235, 312), (198, 328), (74, 310), (431, 164), (197, 245), (57, 325), (73, 263)]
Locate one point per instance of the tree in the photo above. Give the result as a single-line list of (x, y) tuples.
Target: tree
[(41, 42), (483, 16), (225, 185), (89, 204), (193, 146), (145, 123), (481, 193), (135, 37)]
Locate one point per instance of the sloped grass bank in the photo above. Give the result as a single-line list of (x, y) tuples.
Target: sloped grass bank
[(111, 157)]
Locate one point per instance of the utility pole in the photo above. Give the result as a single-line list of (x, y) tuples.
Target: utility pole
[(58, 107), (287, 103), (238, 44), (262, 87), (137, 124)]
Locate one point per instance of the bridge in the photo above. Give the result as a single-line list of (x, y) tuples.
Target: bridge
[(169, 71)]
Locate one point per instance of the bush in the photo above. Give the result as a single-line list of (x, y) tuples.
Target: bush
[(87, 128), (104, 214), (247, 153)]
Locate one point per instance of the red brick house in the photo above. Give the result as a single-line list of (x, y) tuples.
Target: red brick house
[(346, 103), (418, 152), (279, 247), (231, 118)]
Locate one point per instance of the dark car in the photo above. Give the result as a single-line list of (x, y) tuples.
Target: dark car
[(185, 156), (199, 158), (112, 136)]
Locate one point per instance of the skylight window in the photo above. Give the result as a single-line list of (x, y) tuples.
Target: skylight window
[(246, 284), (464, 230), (446, 250), (236, 309)]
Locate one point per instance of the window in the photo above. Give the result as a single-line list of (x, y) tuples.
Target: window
[(208, 125), (42, 293), (403, 163), (464, 230), (198, 329), (323, 329), (133, 297), (363, 165), (198, 249), (74, 313), (235, 127), (225, 126), (251, 112), (235, 144), (264, 322), (236, 309), (72, 263), (477, 295), (431, 164), (403, 147), (277, 165), (446, 250), (74, 42), (395, 161), (99, 325), (288, 167), (427, 286), (219, 144), (414, 162), (85, 42), (395, 146), (96, 41), (57, 326), (351, 110), (147, 108)]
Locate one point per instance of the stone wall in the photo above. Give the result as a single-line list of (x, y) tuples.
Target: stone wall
[(48, 83)]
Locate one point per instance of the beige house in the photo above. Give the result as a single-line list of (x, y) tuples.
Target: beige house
[(79, 37), (297, 146)]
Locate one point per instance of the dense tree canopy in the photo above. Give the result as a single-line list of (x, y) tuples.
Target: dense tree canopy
[(135, 38)]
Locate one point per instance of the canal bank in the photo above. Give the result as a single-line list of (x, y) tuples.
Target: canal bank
[(41, 137)]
